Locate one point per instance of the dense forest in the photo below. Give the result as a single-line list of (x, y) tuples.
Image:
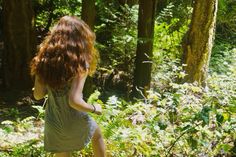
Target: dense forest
[(166, 77)]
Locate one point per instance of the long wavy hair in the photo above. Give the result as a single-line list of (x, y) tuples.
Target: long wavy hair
[(67, 51)]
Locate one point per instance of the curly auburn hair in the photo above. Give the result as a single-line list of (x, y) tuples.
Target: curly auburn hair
[(65, 52)]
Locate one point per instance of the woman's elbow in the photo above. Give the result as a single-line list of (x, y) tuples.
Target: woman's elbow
[(75, 102)]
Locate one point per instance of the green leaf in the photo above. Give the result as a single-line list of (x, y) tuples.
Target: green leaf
[(192, 142), (93, 97), (7, 122), (226, 147), (219, 118), (162, 125), (232, 108), (8, 129), (204, 115)]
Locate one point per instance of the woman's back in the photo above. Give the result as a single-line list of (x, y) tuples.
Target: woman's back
[(66, 129)]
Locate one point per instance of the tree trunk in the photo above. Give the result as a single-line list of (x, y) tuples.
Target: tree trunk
[(198, 42), (19, 42), (143, 62), (88, 15), (88, 12)]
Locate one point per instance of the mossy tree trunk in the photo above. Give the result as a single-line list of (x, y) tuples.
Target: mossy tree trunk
[(19, 42), (144, 54), (198, 42), (88, 15)]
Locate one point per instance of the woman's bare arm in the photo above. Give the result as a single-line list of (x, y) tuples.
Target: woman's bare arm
[(76, 100), (39, 89)]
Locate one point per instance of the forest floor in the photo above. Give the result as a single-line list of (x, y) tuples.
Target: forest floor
[(16, 104), (15, 107)]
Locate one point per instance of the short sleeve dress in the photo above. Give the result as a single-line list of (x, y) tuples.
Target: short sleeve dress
[(66, 129)]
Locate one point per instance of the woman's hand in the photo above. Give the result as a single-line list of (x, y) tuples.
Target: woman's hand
[(98, 109)]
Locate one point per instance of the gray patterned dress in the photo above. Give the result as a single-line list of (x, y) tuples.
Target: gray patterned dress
[(66, 129)]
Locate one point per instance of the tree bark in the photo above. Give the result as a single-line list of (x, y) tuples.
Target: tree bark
[(143, 61), (88, 12), (198, 42), (19, 42), (88, 15)]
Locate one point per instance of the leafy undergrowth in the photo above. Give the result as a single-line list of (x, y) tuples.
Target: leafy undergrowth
[(185, 120), (174, 120)]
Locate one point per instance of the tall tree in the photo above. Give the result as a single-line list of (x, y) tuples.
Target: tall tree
[(143, 61), (88, 12), (198, 42), (19, 42), (88, 15)]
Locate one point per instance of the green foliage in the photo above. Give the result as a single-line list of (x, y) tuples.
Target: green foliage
[(176, 9), (30, 148), (182, 120), (22, 138), (13, 112), (167, 43), (174, 119), (116, 32), (223, 58), (226, 21), (49, 11)]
